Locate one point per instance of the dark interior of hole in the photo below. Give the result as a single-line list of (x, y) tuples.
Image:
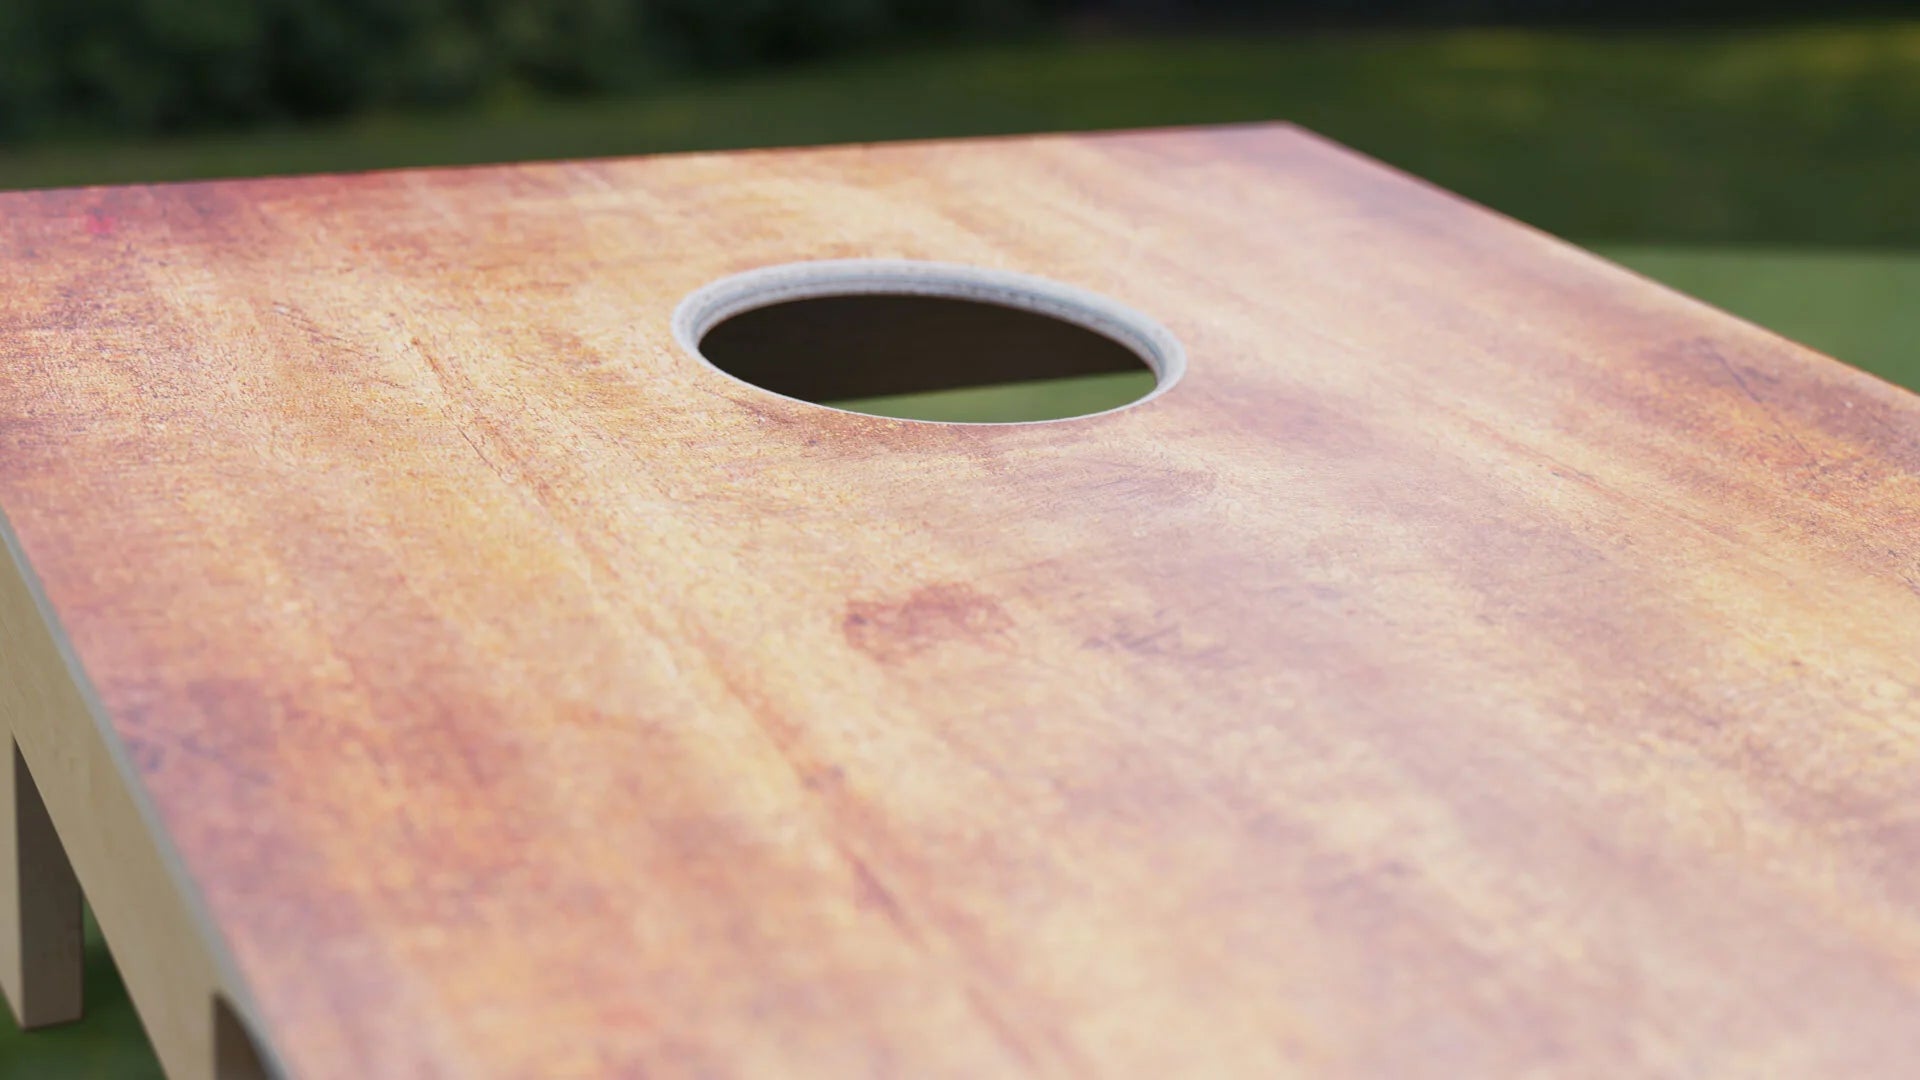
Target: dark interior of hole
[(838, 348)]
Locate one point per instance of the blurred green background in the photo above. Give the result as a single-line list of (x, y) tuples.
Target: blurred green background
[(1764, 156)]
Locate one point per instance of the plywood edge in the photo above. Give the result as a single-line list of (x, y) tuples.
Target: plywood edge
[(175, 965)]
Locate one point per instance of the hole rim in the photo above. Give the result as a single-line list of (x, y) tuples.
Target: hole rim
[(704, 309)]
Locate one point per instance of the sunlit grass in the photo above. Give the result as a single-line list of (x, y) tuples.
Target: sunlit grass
[(1861, 307), (1784, 135), (1041, 399)]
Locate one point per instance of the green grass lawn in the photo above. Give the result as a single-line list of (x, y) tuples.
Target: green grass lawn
[(1792, 135), (1661, 151), (1863, 308)]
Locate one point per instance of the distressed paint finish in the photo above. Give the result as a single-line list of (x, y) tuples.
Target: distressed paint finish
[(1485, 663)]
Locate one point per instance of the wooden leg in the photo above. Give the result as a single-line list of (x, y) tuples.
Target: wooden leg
[(235, 1055), (41, 947)]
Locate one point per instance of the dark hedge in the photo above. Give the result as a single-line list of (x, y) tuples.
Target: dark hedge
[(159, 65)]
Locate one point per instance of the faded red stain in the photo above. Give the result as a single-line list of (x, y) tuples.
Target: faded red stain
[(890, 631), (101, 223)]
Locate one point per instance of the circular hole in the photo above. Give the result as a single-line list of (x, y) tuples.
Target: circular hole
[(929, 341)]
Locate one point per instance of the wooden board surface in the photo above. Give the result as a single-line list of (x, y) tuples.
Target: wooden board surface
[(1484, 663)]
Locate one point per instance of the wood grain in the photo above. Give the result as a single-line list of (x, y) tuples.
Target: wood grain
[(1484, 663)]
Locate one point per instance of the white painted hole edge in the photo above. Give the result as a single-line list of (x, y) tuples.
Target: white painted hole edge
[(715, 303)]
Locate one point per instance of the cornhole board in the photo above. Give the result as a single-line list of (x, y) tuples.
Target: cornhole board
[(1483, 662)]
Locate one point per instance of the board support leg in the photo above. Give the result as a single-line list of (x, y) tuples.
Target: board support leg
[(236, 1056), (41, 945)]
